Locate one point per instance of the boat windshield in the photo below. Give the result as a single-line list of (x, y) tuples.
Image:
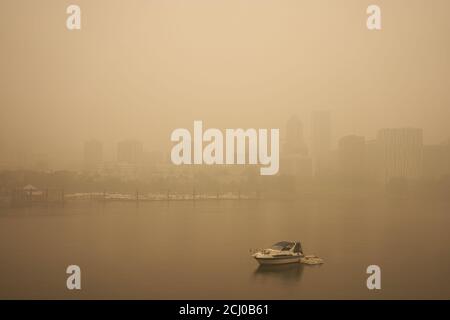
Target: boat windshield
[(283, 246)]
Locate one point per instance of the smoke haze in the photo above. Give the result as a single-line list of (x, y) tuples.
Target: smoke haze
[(140, 69)]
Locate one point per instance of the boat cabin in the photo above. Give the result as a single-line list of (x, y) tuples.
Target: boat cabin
[(287, 246)]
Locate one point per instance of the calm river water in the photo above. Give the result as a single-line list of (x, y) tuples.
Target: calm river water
[(201, 250)]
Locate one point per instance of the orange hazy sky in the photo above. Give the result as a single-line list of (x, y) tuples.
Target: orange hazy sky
[(141, 68)]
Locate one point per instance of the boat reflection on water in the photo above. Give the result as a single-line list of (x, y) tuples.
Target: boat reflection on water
[(287, 272)]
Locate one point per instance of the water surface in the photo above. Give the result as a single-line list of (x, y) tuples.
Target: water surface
[(182, 250)]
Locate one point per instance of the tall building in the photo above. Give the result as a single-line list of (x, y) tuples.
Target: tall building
[(373, 161), (294, 159), (93, 155), (295, 142), (436, 160), (401, 153), (129, 151), (321, 141), (296, 165), (352, 158)]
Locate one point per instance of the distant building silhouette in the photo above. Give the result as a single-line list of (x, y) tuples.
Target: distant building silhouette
[(373, 161), (401, 153), (352, 158), (321, 141), (93, 155), (436, 160), (296, 165), (294, 158), (295, 142), (129, 151)]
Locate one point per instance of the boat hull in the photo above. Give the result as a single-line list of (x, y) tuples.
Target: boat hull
[(277, 260)]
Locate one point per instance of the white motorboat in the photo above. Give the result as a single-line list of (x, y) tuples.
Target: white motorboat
[(280, 253)]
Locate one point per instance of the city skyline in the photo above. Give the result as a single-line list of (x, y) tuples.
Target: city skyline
[(16, 152), (394, 152)]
